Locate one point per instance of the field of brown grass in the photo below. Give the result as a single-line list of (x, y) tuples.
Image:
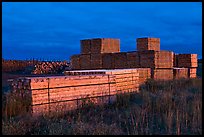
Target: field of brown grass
[(161, 108)]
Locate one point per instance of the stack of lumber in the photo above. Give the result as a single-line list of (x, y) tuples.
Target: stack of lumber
[(162, 74), (120, 60), (85, 46), (156, 59), (192, 72), (180, 73), (164, 59), (96, 61), (108, 61), (85, 61), (144, 74), (50, 67), (127, 80), (133, 60), (75, 62), (148, 44), (187, 60), (48, 93), (175, 60), (100, 45), (147, 59)]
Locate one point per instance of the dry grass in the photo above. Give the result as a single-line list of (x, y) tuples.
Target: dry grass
[(172, 107)]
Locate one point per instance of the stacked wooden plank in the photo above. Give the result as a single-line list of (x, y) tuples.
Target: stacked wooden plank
[(192, 72), (156, 59), (120, 60), (85, 46), (162, 74), (147, 59), (85, 61), (96, 61), (175, 60), (148, 44), (148, 55), (108, 61), (133, 60), (52, 91), (100, 45), (144, 74), (75, 62), (187, 60), (180, 73), (127, 80), (164, 59)]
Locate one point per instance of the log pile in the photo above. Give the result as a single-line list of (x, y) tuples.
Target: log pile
[(16, 65), (50, 67)]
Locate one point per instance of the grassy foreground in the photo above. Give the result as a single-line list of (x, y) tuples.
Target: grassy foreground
[(171, 107)]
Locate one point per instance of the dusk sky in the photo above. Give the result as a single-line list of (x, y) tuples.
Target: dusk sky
[(53, 30)]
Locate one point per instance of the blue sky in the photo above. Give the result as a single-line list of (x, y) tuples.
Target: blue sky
[(53, 30)]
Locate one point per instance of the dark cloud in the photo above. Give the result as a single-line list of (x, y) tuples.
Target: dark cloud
[(57, 28)]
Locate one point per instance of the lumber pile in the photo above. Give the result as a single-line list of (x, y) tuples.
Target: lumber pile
[(51, 91), (108, 61), (175, 60), (96, 61), (192, 72), (187, 60), (100, 45), (85, 61), (75, 62), (180, 73), (144, 44), (133, 60), (120, 60), (126, 79), (50, 67), (144, 73), (162, 74), (156, 59)]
